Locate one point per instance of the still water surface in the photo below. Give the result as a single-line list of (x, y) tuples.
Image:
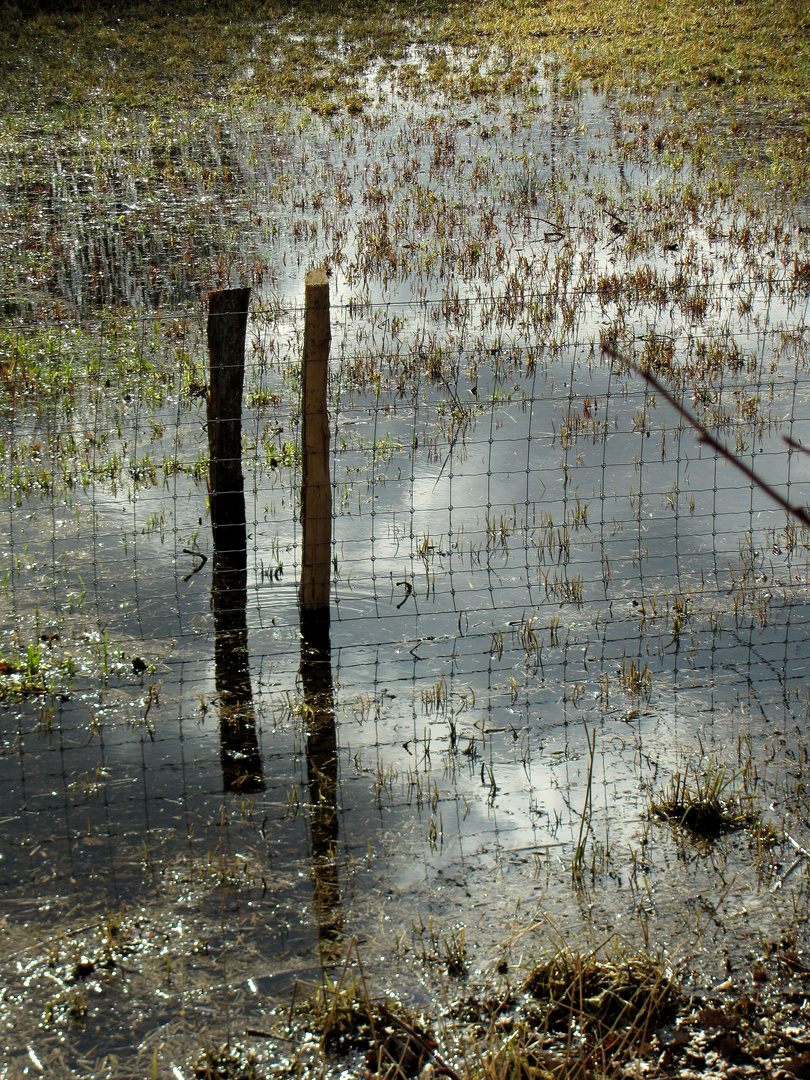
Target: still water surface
[(532, 556)]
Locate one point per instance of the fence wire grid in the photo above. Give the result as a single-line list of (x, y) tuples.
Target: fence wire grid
[(524, 538)]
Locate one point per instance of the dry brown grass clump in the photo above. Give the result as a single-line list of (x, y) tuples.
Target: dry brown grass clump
[(635, 991), (706, 805)]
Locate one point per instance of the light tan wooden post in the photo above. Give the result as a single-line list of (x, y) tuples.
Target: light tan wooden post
[(316, 489)]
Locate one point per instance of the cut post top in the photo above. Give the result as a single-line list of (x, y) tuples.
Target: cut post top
[(318, 276)]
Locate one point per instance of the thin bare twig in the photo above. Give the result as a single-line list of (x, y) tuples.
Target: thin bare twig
[(794, 444), (442, 1068), (705, 436), (199, 566), (408, 591), (798, 847)]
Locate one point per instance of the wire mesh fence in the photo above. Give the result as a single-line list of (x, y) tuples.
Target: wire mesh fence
[(479, 483), (524, 537)]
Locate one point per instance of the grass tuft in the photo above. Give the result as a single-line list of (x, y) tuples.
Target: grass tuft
[(706, 805)]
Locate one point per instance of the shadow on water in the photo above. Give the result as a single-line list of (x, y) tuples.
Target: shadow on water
[(322, 770), (239, 747)]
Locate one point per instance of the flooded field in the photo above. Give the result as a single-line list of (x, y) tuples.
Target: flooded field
[(557, 618)]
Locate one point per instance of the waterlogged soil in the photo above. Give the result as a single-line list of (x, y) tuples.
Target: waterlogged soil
[(551, 605)]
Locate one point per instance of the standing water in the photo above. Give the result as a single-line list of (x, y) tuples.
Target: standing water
[(550, 604)]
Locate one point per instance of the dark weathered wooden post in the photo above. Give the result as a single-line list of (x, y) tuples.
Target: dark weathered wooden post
[(239, 747), (227, 326), (316, 490)]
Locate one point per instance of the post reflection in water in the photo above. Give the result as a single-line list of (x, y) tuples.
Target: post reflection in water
[(322, 762), (239, 747)]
